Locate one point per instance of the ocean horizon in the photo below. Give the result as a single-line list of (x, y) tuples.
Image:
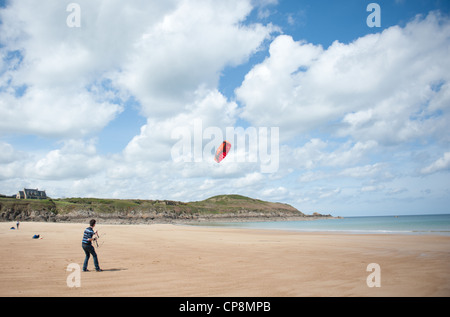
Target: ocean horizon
[(432, 224)]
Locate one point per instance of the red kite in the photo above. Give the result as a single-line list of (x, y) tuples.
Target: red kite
[(222, 151)]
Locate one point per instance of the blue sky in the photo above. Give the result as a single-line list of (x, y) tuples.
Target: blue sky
[(362, 112)]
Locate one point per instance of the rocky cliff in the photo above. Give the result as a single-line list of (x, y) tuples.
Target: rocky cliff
[(217, 208)]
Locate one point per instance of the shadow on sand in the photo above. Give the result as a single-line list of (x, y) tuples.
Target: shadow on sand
[(114, 270)]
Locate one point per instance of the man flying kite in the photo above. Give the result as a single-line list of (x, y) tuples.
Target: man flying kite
[(88, 248)]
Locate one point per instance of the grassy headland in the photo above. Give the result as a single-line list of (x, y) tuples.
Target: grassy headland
[(136, 210)]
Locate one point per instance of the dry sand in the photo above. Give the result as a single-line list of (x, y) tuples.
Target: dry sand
[(175, 260)]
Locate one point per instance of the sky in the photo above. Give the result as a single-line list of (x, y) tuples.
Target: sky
[(339, 107)]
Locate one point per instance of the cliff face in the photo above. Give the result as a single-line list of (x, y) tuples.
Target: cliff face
[(218, 208), (27, 210)]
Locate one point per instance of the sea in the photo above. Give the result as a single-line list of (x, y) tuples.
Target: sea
[(437, 224)]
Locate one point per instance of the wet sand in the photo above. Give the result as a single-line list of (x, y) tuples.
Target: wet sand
[(174, 260)]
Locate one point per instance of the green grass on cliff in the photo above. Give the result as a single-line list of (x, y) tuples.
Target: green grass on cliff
[(28, 204), (212, 205)]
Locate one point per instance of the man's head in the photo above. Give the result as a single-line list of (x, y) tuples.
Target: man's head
[(92, 223)]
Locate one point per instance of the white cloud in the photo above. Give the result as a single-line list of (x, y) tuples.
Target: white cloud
[(166, 55), (326, 193), (367, 171), (187, 50), (378, 87), (372, 188), (158, 137), (440, 164), (249, 180), (275, 194), (54, 112), (345, 113), (161, 52), (8, 154), (350, 154), (76, 159), (55, 65), (11, 161), (317, 153)]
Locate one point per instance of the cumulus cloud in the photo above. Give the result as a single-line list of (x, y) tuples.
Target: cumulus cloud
[(8, 154), (161, 53), (158, 138), (344, 112), (186, 50), (380, 87), (440, 164), (45, 91), (317, 153), (54, 112), (69, 83), (75, 159)]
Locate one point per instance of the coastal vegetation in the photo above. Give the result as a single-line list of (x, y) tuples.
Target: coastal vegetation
[(138, 210)]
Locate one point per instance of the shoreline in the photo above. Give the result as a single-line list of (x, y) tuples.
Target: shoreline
[(106, 219)]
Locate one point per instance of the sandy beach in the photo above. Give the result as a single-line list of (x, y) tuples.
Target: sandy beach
[(176, 260)]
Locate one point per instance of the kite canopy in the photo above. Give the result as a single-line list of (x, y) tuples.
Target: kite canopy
[(222, 151)]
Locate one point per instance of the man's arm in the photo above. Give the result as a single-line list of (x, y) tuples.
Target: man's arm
[(92, 238)]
